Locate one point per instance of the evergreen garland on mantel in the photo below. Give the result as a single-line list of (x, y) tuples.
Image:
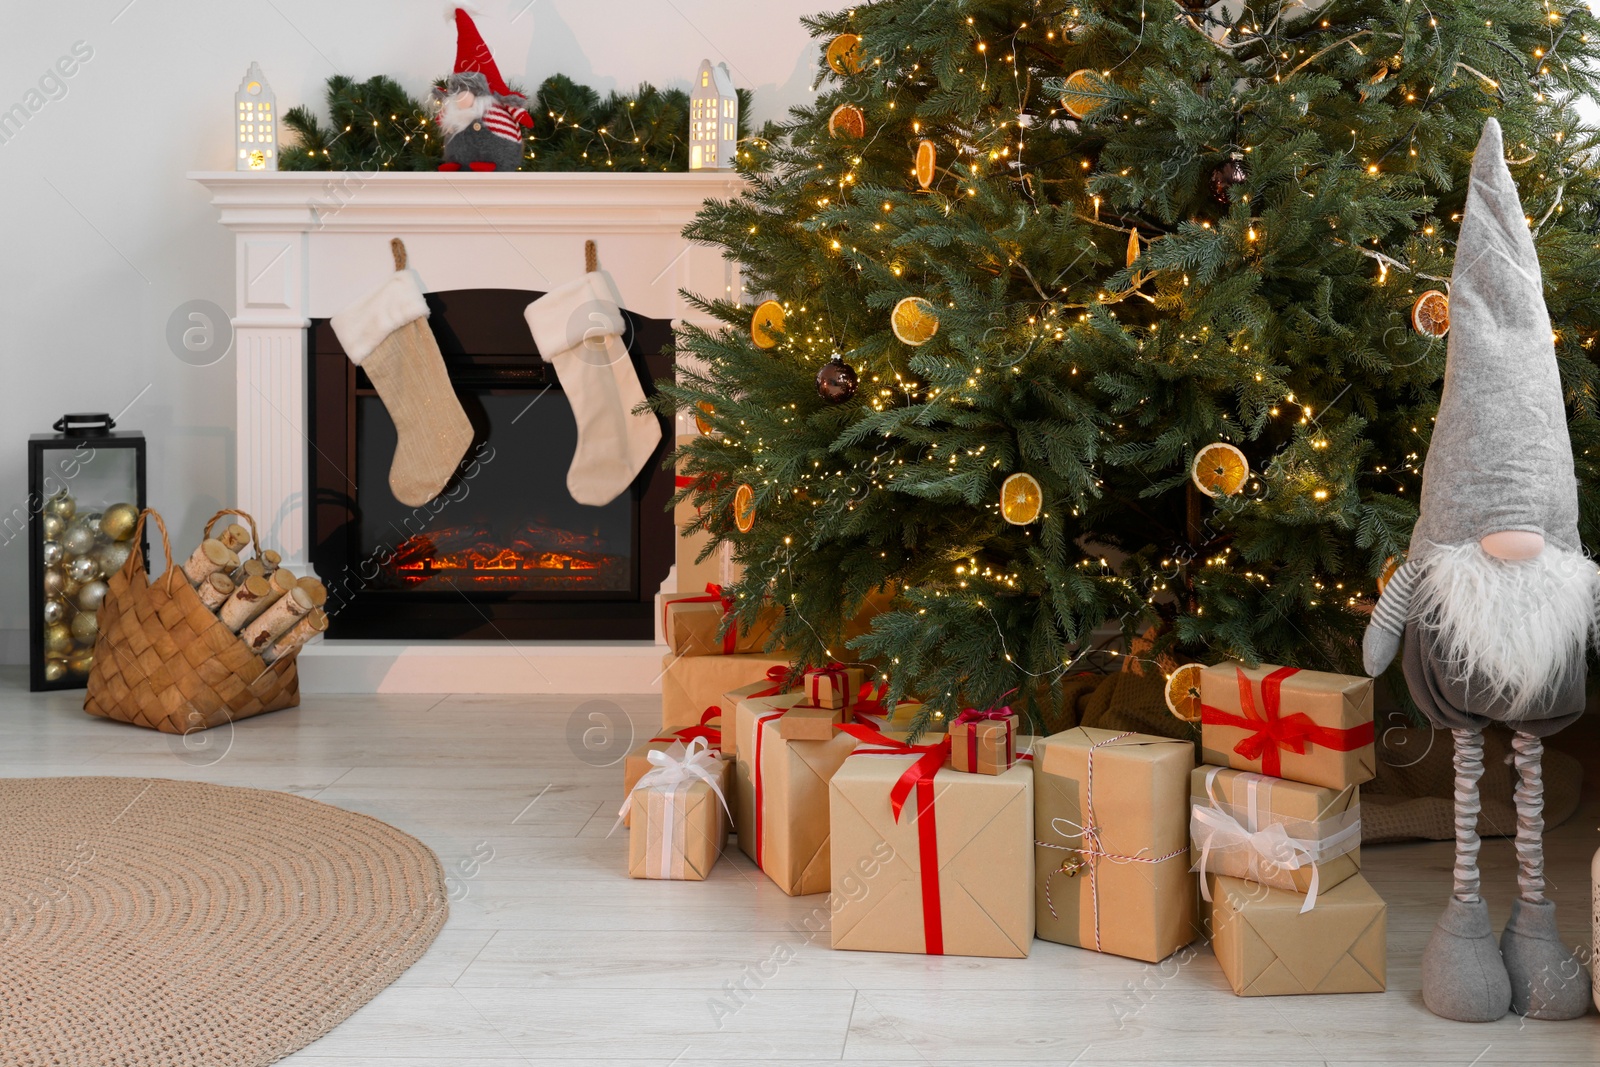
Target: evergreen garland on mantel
[(377, 125)]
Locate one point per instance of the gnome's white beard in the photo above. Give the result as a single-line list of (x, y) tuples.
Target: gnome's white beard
[(1519, 627), (454, 118)]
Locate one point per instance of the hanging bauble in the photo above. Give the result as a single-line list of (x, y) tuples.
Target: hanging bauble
[(1084, 92), (79, 539), (55, 669), (52, 553), (1220, 470), (54, 526), (57, 639), (844, 55), (836, 381), (744, 508), (54, 581), (119, 520), (1021, 499), (92, 595), (914, 321), (83, 569), (927, 161), (1430, 314), (55, 610), (62, 506), (85, 627), (1183, 692), (81, 662), (1225, 177), (766, 324), (849, 121)]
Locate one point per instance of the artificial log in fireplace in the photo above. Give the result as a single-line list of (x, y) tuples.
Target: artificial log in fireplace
[(504, 551)]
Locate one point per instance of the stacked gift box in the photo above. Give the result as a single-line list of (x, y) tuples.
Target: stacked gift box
[(1276, 830)]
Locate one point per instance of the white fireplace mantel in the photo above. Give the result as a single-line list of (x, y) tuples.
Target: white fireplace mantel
[(308, 244)]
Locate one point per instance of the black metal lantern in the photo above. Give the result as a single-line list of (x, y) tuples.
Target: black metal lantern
[(85, 491)]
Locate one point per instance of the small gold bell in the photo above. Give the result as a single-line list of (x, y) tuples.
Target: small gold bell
[(1070, 868)]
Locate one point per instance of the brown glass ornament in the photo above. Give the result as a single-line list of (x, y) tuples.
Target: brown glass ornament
[(1227, 176), (836, 381)]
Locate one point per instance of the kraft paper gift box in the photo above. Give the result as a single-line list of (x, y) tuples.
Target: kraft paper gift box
[(833, 686), (950, 873), (1288, 835), (781, 794), (984, 742), (691, 684), (691, 624), (1267, 947), (1111, 819), (637, 763), (1306, 726), (678, 825)]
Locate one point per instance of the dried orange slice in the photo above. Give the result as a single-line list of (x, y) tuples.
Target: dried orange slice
[(702, 414), (1183, 692), (744, 508), (847, 120), (1021, 499), (927, 159), (1430, 315), (1133, 246), (1390, 565), (844, 54), (766, 324), (1220, 470), (914, 321), (1084, 92)]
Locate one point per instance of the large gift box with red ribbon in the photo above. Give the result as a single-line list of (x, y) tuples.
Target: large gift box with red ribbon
[(1306, 726), (638, 762), (677, 813), (942, 861), (1268, 947), (1288, 835), (691, 624), (690, 684), (1111, 825)]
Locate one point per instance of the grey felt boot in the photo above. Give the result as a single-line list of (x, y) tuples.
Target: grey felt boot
[(1547, 981), (1463, 976)]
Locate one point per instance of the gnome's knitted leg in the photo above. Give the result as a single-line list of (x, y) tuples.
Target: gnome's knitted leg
[(1463, 977), (1547, 982)]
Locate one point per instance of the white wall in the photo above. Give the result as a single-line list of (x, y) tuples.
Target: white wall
[(103, 238)]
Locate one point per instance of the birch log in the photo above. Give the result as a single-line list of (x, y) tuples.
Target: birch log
[(315, 590), (215, 589), (248, 600), (315, 622), (250, 568), (211, 557), (235, 537), (276, 620)]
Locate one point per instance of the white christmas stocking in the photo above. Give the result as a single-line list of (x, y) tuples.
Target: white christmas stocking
[(386, 334), (578, 329)]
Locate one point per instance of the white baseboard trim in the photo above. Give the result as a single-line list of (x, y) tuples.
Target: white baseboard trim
[(531, 667)]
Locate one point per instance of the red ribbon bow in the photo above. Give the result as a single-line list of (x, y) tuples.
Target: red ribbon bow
[(1271, 732), (711, 735), (918, 776), (970, 719)]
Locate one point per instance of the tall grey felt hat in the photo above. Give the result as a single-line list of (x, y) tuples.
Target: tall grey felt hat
[(1500, 457)]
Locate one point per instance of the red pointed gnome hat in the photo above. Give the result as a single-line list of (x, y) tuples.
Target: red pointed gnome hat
[(473, 55)]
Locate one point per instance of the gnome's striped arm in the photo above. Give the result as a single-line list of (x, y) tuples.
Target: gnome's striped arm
[(1389, 617)]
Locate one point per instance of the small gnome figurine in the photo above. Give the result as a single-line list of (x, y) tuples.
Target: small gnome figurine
[(482, 119), (1496, 601)]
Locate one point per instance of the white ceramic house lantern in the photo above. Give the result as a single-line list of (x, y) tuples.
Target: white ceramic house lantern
[(713, 119), (255, 122)]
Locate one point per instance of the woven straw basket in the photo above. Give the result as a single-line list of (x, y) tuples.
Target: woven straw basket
[(165, 661)]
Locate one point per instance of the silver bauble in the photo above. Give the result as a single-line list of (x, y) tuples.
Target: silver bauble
[(79, 539), (54, 526), (57, 639), (83, 569), (54, 611), (62, 507), (85, 627), (52, 553), (81, 661), (91, 596), (119, 520), (55, 669), (70, 587), (113, 556), (54, 581)]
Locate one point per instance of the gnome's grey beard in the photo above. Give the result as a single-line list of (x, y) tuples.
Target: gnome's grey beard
[(1518, 627)]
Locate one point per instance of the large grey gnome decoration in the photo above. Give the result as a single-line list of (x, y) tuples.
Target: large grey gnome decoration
[(1496, 602)]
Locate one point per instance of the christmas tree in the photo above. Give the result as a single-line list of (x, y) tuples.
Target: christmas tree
[(1069, 249)]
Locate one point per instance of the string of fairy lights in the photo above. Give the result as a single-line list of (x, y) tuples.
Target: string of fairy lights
[(1278, 50)]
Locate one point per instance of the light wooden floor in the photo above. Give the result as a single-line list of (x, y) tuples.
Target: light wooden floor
[(553, 955)]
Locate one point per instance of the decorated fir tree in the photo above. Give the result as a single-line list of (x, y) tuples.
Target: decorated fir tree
[(1146, 306)]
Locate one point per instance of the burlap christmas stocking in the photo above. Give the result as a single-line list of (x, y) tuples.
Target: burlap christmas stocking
[(386, 334), (578, 329)]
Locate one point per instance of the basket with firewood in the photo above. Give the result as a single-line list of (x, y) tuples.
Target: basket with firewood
[(210, 641)]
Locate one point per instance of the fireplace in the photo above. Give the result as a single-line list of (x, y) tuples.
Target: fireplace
[(503, 551)]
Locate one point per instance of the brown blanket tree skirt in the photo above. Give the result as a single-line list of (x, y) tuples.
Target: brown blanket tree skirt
[(151, 922)]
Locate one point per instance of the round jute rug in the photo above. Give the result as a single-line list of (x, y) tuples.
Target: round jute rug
[(153, 923)]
